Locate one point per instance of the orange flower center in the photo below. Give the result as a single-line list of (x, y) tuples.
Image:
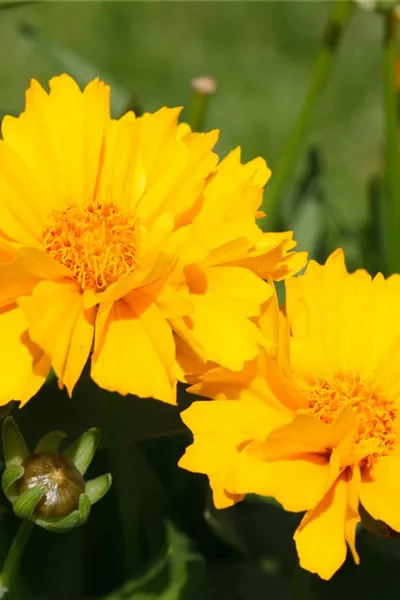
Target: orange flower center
[(375, 413), (96, 243)]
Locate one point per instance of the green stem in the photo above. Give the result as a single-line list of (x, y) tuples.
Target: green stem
[(392, 147), (202, 90), (334, 29), (123, 477), (12, 562), (301, 584)]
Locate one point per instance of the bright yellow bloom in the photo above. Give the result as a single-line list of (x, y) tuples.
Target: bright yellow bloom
[(125, 240), (314, 420)]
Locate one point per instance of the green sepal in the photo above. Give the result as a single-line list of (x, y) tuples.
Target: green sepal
[(10, 476), (14, 446), (96, 488), (81, 452), (75, 519), (84, 508), (50, 442), (24, 505)]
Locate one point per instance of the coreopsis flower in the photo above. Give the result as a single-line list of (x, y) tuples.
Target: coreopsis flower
[(125, 241), (314, 420)]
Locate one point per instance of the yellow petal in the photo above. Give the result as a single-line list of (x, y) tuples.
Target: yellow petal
[(320, 538), (306, 433), (222, 384), (178, 188), (231, 199), (219, 428), (270, 256), (61, 327), (215, 458), (187, 361), (40, 265), (225, 334), (171, 295), (298, 482), (189, 344), (352, 515), (223, 418), (352, 322), (20, 214), (241, 289), (59, 136), (15, 281), (275, 328), (279, 383), (22, 270), (23, 366), (122, 175), (380, 491), (134, 350)]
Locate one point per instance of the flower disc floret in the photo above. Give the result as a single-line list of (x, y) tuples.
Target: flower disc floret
[(97, 243), (376, 415)]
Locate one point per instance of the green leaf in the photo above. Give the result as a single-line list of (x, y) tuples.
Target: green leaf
[(173, 576), (82, 451), (50, 442), (24, 505), (95, 489), (64, 60), (14, 447)]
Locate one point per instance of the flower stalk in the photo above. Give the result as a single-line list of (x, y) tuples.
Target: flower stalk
[(391, 120), (13, 560), (335, 27), (202, 90)]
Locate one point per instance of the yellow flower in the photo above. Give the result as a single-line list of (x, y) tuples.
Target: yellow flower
[(127, 242), (314, 420)]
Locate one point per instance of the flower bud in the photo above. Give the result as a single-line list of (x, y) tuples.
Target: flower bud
[(47, 486), (62, 480)]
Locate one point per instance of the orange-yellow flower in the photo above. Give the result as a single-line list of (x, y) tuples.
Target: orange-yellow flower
[(126, 241), (314, 420)]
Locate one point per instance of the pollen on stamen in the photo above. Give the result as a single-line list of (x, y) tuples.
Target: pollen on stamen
[(97, 243), (376, 415)]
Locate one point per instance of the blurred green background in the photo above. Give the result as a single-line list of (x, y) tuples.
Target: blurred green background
[(261, 55)]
